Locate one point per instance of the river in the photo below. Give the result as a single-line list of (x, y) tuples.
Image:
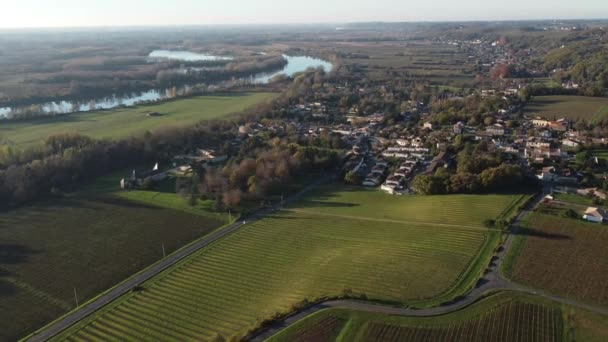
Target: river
[(294, 65)]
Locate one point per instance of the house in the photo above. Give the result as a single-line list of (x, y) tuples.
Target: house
[(378, 170), (551, 174), (371, 181), (458, 128), (496, 130), (571, 143), (559, 125), (394, 181), (403, 142), (595, 215), (428, 125), (539, 122), (136, 181)]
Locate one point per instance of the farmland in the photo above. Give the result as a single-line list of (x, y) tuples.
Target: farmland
[(500, 317), (565, 257), (591, 109), (125, 122), (303, 253), (86, 243), (440, 64)]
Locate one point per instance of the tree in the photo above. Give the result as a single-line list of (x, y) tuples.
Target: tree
[(352, 178), (429, 185), (464, 183)]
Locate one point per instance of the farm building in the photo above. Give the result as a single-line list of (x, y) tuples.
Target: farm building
[(595, 215)]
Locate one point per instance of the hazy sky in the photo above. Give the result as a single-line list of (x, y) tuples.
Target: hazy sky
[(69, 13)]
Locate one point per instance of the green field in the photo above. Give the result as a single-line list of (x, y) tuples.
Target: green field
[(360, 241), (501, 317), (125, 122), (88, 242), (591, 109), (575, 199)]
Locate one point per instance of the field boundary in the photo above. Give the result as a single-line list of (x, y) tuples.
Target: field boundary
[(394, 221)]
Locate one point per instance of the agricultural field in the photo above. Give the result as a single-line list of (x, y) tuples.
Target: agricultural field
[(439, 64), (302, 253), (591, 109), (38, 268), (500, 317), (125, 122), (564, 256)]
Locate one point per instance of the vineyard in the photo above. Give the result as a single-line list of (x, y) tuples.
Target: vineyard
[(502, 317), (511, 322), (274, 264), (325, 329), (47, 251), (568, 258)]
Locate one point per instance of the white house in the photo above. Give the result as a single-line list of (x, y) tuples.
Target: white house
[(595, 215), (570, 143)]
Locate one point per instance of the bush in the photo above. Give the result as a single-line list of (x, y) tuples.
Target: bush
[(489, 223), (570, 213)]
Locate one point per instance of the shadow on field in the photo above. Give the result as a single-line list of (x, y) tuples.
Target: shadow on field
[(11, 254), (540, 234), (6, 288)]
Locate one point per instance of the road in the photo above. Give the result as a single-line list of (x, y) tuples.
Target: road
[(126, 286), (492, 280)]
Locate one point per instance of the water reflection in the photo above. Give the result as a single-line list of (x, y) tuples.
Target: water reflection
[(293, 66), (186, 56)]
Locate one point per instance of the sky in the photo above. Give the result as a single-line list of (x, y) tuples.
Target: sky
[(87, 13)]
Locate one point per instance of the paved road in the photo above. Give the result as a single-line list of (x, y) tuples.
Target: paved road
[(492, 280), (126, 286)]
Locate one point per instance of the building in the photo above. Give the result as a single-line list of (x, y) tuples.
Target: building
[(595, 215), (496, 130), (538, 122), (458, 128), (570, 143)]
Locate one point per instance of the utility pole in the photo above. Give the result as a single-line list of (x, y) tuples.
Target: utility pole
[(229, 216), (76, 297), (281, 201), (163, 246)]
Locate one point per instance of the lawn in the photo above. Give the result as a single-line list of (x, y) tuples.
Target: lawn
[(592, 109), (330, 242), (125, 122), (500, 317), (564, 256)]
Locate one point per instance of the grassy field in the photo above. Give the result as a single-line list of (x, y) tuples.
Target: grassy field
[(500, 317), (591, 109), (564, 256), (330, 242), (124, 122), (88, 242), (575, 199), (439, 64)]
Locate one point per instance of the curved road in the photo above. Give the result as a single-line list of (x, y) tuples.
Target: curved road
[(492, 280), (87, 309)]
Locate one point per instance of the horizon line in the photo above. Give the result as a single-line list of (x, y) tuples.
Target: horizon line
[(325, 23)]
